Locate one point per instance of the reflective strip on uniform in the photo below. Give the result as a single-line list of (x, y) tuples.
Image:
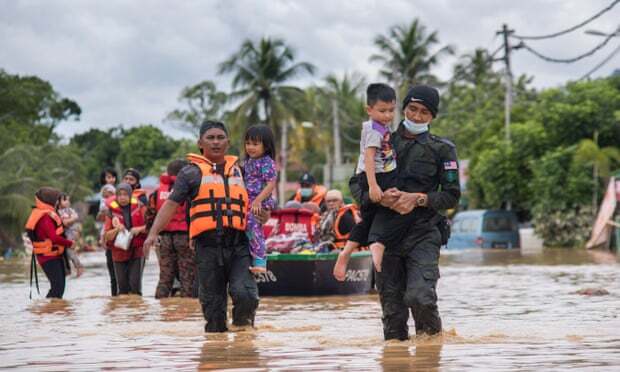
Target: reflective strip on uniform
[(212, 179)]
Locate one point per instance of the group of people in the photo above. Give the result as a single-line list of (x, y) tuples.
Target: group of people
[(206, 217)]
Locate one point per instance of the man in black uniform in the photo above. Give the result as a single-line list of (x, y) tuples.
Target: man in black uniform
[(428, 183), (222, 254)]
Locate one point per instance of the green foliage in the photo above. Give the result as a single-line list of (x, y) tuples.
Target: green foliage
[(24, 169), (564, 227), (261, 71), (89, 228), (204, 101), (407, 54), (183, 147), (558, 182), (564, 145), (30, 109), (98, 149), (141, 146)]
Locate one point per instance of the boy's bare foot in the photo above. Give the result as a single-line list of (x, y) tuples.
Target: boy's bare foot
[(258, 269), (79, 272)]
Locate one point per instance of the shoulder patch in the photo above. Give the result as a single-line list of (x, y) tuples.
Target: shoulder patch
[(443, 140)]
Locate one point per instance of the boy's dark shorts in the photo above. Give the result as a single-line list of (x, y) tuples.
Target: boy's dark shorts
[(379, 224)]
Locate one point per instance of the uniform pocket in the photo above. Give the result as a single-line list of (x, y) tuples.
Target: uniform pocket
[(419, 170), (430, 273)]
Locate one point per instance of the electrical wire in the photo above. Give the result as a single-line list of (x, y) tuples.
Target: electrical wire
[(603, 62), (541, 37), (568, 60)]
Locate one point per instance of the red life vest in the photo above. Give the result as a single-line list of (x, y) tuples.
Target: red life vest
[(179, 220), (44, 247), (137, 219)]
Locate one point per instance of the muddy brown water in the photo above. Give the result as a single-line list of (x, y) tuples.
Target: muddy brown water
[(502, 310)]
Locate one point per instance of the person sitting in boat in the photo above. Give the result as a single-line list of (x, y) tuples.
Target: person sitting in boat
[(309, 191), (292, 204), (337, 221)]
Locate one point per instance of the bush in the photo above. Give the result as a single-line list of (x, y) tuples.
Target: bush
[(567, 227)]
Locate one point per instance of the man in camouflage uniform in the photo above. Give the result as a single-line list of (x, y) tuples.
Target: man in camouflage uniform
[(176, 259), (428, 183)]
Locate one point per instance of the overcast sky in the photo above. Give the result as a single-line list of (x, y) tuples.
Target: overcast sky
[(125, 62)]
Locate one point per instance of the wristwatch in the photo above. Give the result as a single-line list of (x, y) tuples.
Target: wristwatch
[(421, 201)]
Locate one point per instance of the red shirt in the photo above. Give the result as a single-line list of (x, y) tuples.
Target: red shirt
[(46, 229)]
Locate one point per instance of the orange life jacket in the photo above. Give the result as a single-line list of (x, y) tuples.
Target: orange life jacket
[(341, 238), (179, 220), (137, 219), (318, 194), (44, 247), (137, 193), (221, 202)]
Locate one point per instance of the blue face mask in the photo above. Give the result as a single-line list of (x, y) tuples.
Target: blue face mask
[(415, 128), (306, 192)]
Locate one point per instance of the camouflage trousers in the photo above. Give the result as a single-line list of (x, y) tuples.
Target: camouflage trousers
[(176, 259)]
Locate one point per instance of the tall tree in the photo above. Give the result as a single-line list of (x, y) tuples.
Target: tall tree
[(142, 146), (475, 69), (408, 54), (347, 110), (261, 74), (30, 109), (25, 168), (203, 101), (99, 149)]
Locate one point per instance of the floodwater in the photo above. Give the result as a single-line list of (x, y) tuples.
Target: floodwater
[(502, 310)]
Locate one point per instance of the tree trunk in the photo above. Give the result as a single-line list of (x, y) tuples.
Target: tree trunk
[(595, 177), (336, 133)]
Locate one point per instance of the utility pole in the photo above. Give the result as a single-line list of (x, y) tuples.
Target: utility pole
[(336, 134), (397, 86), (506, 32), (507, 77)]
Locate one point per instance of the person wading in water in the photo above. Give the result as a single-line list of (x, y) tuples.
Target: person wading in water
[(213, 186)]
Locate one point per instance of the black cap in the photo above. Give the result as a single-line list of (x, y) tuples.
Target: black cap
[(424, 94), (307, 179), (208, 124), (133, 172)]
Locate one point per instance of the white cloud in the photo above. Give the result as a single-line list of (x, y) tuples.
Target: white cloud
[(125, 62)]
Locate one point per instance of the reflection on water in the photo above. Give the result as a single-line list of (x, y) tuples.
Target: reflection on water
[(506, 310), (400, 356)]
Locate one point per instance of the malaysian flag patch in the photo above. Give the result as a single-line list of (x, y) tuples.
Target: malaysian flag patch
[(450, 165)]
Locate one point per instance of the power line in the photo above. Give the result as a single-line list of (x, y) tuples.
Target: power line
[(567, 60), (603, 62), (605, 10)]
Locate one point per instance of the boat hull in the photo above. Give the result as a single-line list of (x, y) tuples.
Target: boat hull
[(311, 275)]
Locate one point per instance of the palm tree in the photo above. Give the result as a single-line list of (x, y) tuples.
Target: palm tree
[(261, 72), (475, 68), (601, 160), (405, 53), (203, 100), (346, 106)]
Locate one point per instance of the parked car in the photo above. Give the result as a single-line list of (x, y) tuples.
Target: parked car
[(484, 229)]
